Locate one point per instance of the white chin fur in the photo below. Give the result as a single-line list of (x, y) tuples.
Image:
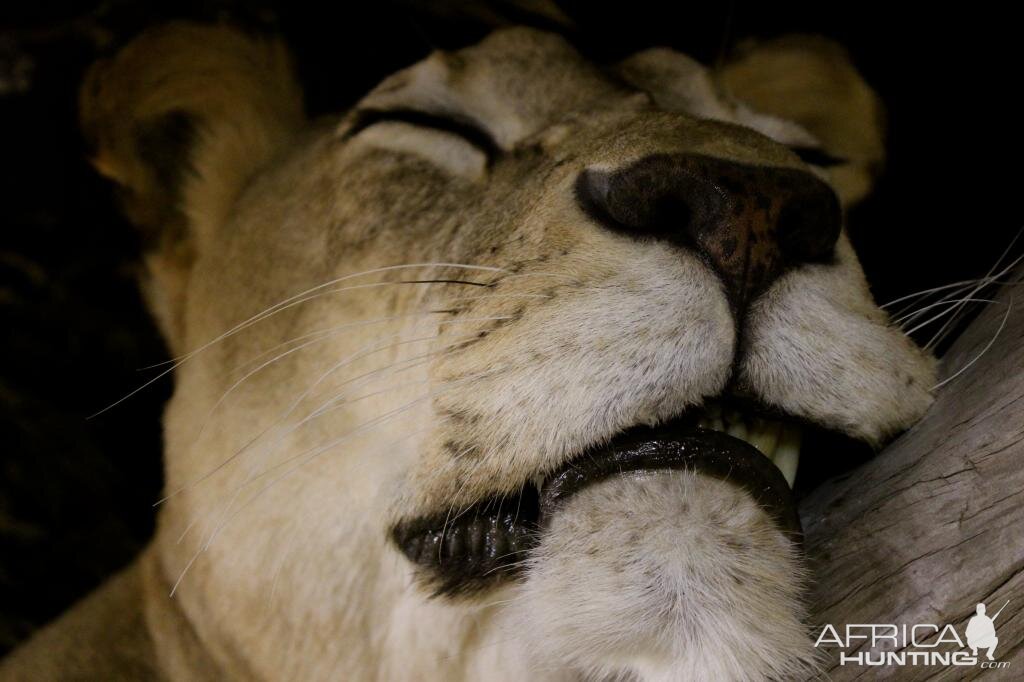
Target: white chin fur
[(665, 576)]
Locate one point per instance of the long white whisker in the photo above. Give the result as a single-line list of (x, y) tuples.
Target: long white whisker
[(353, 287), (316, 452), (941, 335), (278, 307), (952, 306), (988, 276), (911, 312), (363, 352), (908, 312), (305, 297), (1009, 307), (293, 536), (334, 332), (328, 329), (492, 297), (966, 283), (339, 401), (961, 287), (196, 555), (189, 527), (181, 576), (451, 507), (325, 331), (557, 275)]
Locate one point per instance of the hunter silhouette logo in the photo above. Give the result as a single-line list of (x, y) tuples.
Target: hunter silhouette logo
[(885, 644), (981, 631)]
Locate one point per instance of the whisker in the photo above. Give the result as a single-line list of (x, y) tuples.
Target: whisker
[(292, 299), (280, 566), (512, 564), (988, 276), (952, 306), (1009, 307), (334, 331), (363, 352), (316, 452), (297, 299), (189, 527), (932, 290), (376, 421), (333, 403), (181, 576), (496, 297), (557, 275), (941, 335), (451, 507), (202, 549), (961, 287), (445, 281), (339, 399), (909, 311), (971, 287), (293, 536), (327, 329), (278, 307)]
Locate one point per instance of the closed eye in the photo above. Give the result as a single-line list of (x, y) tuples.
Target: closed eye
[(815, 156), (465, 128)]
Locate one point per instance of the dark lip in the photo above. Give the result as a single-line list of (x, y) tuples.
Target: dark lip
[(679, 446), (490, 541)]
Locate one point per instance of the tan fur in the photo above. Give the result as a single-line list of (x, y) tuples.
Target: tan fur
[(239, 94), (810, 81), (278, 521)]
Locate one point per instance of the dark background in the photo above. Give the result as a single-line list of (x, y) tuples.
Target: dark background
[(76, 494)]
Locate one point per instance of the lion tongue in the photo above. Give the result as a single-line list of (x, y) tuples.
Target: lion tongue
[(672, 446)]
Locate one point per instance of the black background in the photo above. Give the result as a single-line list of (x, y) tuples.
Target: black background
[(76, 494)]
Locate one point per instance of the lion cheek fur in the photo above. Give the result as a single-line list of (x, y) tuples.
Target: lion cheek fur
[(816, 338), (675, 576), (637, 344)]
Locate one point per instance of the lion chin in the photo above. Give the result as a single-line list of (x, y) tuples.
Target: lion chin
[(509, 373)]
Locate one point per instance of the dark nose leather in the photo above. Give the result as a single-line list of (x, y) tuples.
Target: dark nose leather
[(747, 222)]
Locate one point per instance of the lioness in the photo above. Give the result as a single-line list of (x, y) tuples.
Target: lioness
[(500, 376)]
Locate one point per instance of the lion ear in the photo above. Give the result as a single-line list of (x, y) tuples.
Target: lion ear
[(181, 118), (812, 82)]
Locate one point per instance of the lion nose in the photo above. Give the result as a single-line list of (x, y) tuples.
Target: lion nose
[(747, 222)]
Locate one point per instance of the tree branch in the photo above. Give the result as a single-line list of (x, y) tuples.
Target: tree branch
[(935, 524)]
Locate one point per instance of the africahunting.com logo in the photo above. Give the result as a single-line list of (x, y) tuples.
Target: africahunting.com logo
[(881, 644)]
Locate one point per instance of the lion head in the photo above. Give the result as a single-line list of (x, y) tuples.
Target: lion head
[(502, 374)]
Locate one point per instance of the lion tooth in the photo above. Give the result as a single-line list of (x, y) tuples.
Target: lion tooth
[(538, 482), (765, 436), (737, 429), (787, 453)]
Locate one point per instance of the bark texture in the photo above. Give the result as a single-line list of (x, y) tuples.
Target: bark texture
[(935, 524)]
